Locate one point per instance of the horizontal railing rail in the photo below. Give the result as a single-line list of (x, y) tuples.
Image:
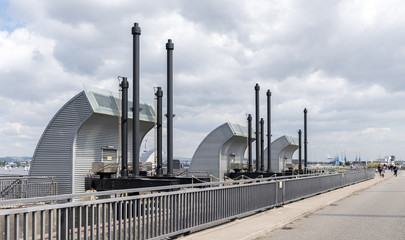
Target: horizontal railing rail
[(91, 195), (165, 211)]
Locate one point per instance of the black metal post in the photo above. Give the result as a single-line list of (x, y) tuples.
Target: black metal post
[(136, 32), (299, 151), (250, 169), (305, 140), (257, 88), (169, 48), (261, 145), (159, 167), (268, 130), (124, 128)]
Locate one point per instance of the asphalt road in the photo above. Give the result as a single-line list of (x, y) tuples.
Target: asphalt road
[(375, 213)]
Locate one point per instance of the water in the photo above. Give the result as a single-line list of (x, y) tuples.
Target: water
[(13, 171)]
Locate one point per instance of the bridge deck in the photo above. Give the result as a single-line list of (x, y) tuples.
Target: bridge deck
[(262, 226)]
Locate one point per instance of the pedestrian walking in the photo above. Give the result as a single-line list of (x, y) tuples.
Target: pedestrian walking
[(395, 170), (379, 170)]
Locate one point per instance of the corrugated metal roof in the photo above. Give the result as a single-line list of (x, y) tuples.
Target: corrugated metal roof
[(76, 134), (107, 102), (148, 155), (213, 153), (238, 130), (292, 140), (53, 154)]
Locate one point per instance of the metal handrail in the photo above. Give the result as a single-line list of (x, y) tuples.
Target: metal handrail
[(167, 213), (69, 197)]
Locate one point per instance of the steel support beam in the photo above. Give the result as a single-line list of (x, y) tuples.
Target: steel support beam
[(169, 48), (136, 32), (124, 128)]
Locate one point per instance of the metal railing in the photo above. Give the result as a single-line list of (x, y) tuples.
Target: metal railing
[(14, 187), (166, 211)]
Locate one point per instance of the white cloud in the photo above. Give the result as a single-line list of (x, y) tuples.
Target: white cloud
[(12, 128), (377, 132), (342, 61)]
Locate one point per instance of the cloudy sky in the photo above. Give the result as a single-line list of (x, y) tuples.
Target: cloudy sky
[(342, 60)]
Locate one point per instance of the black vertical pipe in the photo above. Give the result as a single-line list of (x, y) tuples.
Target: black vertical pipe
[(268, 131), (299, 151), (136, 32), (257, 88), (305, 140), (261, 145), (159, 167), (169, 48), (124, 128), (250, 169)]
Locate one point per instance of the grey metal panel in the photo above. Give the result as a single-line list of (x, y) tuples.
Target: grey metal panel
[(236, 146), (238, 130), (282, 150), (98, 131), (107, 102), (53, 154), (206, 157), (56, 151), (213, 153)]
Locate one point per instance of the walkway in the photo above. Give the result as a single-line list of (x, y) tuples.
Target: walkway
[(375, 213), (261, 225)]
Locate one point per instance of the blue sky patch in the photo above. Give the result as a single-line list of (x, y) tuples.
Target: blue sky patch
[(7, 23)]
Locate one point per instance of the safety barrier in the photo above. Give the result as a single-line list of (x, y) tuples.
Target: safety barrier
[(163, 212), (13, 187)]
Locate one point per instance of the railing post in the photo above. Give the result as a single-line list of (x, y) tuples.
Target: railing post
[(283, 187), (7, 227), (50, 224), (16, 226), (276, 202), (34, 225)]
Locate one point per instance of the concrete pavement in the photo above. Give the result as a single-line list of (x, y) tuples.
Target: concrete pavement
[(374, 213), (259, 225)]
